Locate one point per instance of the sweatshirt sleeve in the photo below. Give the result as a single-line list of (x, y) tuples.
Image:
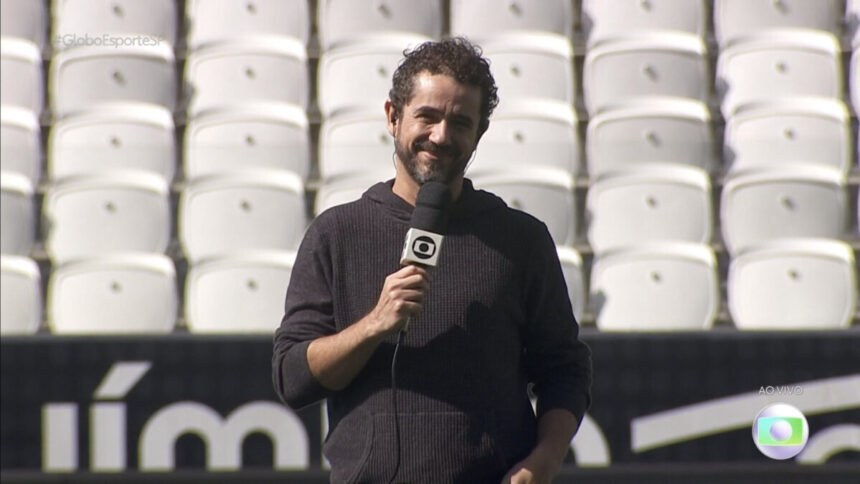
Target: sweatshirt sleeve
[(557, 361), (308, 315)]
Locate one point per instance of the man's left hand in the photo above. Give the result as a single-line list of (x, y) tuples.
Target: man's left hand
[(534, 469)]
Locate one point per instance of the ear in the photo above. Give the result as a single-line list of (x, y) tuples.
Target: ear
[(391, 118)]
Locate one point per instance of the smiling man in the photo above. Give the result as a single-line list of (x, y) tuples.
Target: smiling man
[(493, 320)]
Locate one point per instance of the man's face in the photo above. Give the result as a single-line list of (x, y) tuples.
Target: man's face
[(437, 132)]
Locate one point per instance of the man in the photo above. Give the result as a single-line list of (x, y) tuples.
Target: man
[(492, 319)]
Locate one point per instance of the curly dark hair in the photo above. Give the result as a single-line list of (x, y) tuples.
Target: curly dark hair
[(455, 57)]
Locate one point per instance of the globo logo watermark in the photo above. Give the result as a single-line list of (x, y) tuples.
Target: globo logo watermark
[(780, 431)]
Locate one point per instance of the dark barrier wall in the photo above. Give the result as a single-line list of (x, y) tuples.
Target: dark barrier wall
[(195, 403)]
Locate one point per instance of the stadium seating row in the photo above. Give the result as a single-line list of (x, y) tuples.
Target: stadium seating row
[(652, 130), (340, 21), (85, 215), (784, 284)]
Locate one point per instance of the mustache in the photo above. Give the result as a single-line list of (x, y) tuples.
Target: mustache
[(435, 149)]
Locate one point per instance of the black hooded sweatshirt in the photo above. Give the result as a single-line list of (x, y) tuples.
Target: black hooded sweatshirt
[(496, 318)]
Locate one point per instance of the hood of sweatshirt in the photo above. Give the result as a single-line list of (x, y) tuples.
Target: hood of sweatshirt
[(471, 203)]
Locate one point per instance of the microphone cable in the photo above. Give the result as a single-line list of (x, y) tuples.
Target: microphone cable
[(394, 405)]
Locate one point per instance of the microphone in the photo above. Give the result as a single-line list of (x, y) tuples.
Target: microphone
[(427, 227)]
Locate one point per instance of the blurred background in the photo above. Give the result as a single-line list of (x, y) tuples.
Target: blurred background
[(694, 160)]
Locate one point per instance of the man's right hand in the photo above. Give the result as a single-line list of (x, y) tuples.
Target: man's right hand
[(336, 359), (402, 296)]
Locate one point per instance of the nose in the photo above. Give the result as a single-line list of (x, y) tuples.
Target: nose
[(439, 133)]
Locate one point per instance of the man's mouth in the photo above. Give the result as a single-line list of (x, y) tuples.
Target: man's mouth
[(439, 154), (435, 151)]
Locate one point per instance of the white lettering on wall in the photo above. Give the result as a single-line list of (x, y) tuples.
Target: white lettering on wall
[(223, 437), (60, 437), (108, 430), (107, 437)]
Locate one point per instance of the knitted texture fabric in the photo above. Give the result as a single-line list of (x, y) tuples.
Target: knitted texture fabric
[(496, 319)]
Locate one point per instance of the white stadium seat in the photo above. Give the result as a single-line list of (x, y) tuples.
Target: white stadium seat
[(21, 76), (344, 189), (238, 294), (544, 192), (248, 137), (347, 21), (116, 211), (574, 278), (20, 296), (18, 220), (358, 76), (532, 65), (654, 64), (792, 201), (793, 284), (229, 213), (777, 65), (793, 130), (213, 21), (20, 143), (82, 77), (90, 22), (113, 294), (114, 136), (656, 287), (651, 130), (651, 203), (254, 70), (531, 133), (602, 20), (480, 19), (734, 19), (355, 142), (24, 19)]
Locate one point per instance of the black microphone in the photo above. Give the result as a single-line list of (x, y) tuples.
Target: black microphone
[(427, 228)]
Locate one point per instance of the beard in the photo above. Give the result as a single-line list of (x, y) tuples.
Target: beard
[(437, 171)]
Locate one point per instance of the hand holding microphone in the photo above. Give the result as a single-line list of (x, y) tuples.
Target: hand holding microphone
[(402, 296)]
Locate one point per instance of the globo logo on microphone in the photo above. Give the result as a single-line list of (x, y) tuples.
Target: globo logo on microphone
[(424, 247), (421, 247)]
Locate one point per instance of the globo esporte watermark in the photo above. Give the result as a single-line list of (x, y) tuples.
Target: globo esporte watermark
[(65, 41)]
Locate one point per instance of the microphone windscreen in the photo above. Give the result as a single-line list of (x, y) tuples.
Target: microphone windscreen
[(431, 208), (434, 194)]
